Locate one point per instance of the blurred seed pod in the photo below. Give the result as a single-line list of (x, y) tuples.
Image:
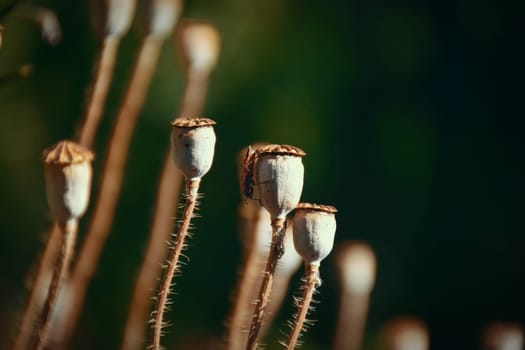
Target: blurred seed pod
[(357, 268), (163, 15), (112, 17), (278, 174), (406, 333), (503, 336), (68, 180), (314, 229), (199, 43), (193, 146)]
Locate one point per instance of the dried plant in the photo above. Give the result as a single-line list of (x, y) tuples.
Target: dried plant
[(357, 270), (193, 148), (164, 16), (504, 336), (274, 175), (406, 333), (313, 235), (200, 57), (45, 18), (68, 182)]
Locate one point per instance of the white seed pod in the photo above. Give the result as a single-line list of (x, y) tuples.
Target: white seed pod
[(163, 16), (68, 180), (504, 336), (278, 175), (314, 231), (406, 333), (357, 268), (193, 146), (200, 44), (112, 17)]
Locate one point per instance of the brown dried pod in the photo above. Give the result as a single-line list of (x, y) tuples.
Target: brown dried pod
[(68, 180), (193, 146)]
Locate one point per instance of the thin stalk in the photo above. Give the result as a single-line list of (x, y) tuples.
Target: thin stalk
[(111, 185), (166, 210), (40, 286), (311, 282), (61, 269), (249, 279), (276, 251), (192, 187), (353, 312), (87, 136), (104, 75)]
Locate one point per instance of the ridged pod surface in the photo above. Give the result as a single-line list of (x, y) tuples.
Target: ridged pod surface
[(193, 146), (314, 229), (278, 176), (68, 176)]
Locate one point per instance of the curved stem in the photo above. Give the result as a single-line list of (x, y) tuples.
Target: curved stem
[(106, 66), (192, 187), (40, 286), (109, 192), (62, 264), (310, 284), (276, 251)]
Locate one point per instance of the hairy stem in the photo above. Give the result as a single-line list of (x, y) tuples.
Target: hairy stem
[(165, 211), (111, 185), (352, 321), (310, 284), (100, 90), (40, 286), (192, 187), (62, 264), (276, 251)]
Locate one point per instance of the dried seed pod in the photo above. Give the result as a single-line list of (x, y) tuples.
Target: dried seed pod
[(314, 231), (68, 180), (406, 333), (504, 336), (113, 17), (200, 45), (278, 174), (163, 16), (357, 267), (193, 146)]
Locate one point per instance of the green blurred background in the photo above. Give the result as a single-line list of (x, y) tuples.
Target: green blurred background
[(411, 113)]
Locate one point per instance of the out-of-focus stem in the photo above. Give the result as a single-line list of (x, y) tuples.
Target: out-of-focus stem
[(353, 312), (111, 185), (62, 265), (100, 90), (40, 287), (165, 213), (310, 284)]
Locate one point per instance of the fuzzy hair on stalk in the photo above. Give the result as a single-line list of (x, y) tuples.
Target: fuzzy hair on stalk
[(193, 148), (274, 175), (171, 178), (313, 232)]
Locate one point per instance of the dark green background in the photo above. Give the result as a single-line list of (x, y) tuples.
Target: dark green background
[(411, 113)]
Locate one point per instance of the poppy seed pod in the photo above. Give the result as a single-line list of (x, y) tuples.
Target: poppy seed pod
[(314, 231), (200, 44), (68, 180), (278, 173), (357, 266), (112, 17), (193, 146), (406, 333), (163, 16)]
